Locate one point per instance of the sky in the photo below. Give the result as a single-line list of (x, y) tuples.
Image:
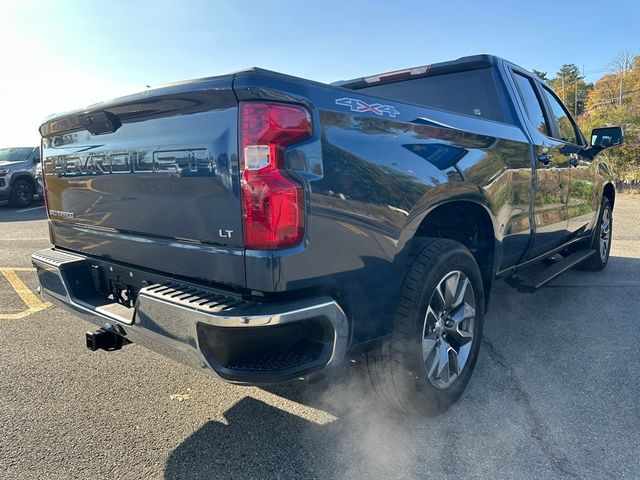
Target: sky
[(61, 55)]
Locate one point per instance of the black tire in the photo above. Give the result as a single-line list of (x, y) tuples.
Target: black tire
[(397, 368), (21, 195), (599, 260)]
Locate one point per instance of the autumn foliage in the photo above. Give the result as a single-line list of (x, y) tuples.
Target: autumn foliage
[(614, 99)]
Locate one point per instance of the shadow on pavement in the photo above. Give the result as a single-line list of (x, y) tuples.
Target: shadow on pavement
[(258, 441), (521, 417)]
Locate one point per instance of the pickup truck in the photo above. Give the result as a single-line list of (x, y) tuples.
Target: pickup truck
[(264, 228), (20, 175)]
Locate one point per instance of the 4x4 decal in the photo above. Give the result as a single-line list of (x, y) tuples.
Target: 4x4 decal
[(357, 105)]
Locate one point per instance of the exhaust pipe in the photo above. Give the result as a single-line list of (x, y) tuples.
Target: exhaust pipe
[(106, 338)]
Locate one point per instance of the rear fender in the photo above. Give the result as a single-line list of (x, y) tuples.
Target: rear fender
[(437, 197)]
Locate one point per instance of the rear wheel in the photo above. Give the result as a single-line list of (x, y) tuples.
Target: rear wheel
[(601, 240), (21, 195), (426, 364)]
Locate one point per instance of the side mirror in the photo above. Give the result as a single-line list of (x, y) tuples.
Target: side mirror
[(606, 137)]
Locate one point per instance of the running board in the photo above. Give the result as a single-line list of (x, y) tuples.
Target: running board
[(531, 284)]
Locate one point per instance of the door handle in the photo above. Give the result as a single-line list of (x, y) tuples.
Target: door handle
[(545, 158)]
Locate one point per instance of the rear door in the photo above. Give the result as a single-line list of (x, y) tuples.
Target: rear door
[(551, 170)]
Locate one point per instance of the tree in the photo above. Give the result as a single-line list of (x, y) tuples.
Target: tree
[(541, 75), (615, 100), (635, 74), (570, 71), (621, 66), (622, 63), (570, 86), (620, 86), (605, 92)]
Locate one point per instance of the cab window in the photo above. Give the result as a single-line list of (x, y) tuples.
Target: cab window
[(567, 130)]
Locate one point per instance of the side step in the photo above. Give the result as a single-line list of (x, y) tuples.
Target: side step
[(541, 278)]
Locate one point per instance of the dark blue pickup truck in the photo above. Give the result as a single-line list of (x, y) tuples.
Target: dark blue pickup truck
[(263, 227)]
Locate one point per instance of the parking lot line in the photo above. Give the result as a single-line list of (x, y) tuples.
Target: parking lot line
[(33, 303), (29, 209), (355, 230)]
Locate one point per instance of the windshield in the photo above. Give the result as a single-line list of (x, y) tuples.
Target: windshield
[(15, 154)]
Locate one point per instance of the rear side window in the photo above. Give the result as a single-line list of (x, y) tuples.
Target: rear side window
[(531, 103), (472, 92)]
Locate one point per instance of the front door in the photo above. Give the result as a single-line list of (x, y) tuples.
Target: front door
[(568, 145)]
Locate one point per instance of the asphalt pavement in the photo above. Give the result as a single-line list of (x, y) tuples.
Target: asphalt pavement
[(555, 393)]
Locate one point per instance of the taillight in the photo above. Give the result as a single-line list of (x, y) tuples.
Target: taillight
[(272, 201)]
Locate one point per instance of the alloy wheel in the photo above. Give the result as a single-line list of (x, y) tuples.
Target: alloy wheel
[(605, 234), (448, 329), (23, 193)]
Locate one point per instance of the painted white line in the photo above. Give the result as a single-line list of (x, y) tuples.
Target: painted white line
[(29, 209)]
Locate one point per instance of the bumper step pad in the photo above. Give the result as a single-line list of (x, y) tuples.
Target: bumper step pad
[(197, 298)]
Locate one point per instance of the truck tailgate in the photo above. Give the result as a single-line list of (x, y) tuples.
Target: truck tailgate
[(153, 169)]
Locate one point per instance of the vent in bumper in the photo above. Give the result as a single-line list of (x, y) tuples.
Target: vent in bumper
[(290, 358)]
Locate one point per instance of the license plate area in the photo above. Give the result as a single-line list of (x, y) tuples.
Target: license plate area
[(122, 293), (112, 295)]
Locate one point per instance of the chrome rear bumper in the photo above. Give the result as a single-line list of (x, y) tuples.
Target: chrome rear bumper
[(238, 340)]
